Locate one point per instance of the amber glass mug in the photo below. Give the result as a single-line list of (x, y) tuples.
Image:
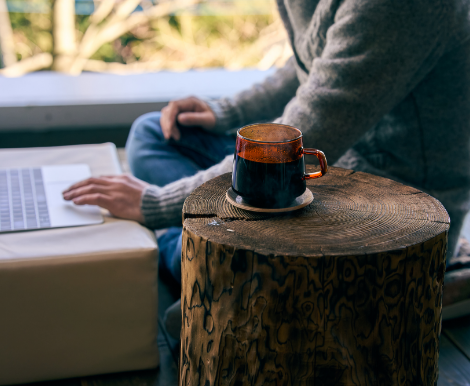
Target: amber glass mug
[(269, 166)]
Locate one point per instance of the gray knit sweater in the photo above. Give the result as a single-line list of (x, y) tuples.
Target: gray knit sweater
[(379, 85)]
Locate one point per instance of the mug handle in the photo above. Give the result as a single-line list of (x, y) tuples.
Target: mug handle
[(323, 165)]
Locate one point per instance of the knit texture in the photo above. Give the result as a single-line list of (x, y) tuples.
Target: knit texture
[(162, 206)]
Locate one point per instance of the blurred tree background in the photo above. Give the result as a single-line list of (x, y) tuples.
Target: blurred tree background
[(124, 36)]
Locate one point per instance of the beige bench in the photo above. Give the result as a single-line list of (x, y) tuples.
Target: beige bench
[(76, 301)]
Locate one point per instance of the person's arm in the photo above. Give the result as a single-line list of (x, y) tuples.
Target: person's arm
[(376, 52), (262, 102), (162, 206), (130, 198)]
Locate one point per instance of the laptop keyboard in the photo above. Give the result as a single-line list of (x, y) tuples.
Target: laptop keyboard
[(23, 203)]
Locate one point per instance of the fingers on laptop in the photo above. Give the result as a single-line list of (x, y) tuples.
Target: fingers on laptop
[(99, 199), (91, 188), (120, 194), (89, 181)]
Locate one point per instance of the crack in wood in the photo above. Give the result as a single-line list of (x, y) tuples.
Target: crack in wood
[(197, 215), (228, 219)]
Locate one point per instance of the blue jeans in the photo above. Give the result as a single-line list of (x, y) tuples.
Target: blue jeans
[(158, 161)]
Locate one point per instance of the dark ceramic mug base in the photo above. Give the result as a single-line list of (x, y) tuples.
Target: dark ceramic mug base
[(300, 202)]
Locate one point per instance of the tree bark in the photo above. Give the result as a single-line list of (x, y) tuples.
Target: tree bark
[(7, 46), (346, 291)]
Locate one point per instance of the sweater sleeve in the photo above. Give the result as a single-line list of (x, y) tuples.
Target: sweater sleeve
[(162, 206), (375, 54), (262, 102)]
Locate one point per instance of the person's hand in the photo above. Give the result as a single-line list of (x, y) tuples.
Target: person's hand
[(187, 112), (121, 195)]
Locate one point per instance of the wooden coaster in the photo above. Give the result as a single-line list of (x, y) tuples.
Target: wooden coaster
[(301, 201)]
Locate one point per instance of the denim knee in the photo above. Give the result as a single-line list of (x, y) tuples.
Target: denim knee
[(145, 132), (169, 245)]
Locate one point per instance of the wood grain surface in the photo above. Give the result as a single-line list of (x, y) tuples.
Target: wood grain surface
[(346, 291)]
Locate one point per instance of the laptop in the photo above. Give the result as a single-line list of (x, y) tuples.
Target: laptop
[(31, 198)]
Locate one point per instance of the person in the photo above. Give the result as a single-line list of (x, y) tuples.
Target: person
[(381, 86)]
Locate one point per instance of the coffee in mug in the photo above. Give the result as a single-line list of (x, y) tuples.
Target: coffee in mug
[(269, 165)]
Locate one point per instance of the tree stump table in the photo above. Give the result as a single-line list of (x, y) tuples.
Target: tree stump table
[(346, 291)]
